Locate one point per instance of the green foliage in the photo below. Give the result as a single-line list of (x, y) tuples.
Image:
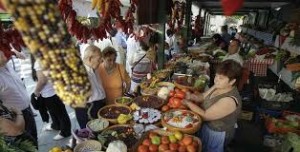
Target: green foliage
[(19, 146)]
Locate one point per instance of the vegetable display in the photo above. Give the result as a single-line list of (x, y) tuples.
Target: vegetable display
[(45, 35)]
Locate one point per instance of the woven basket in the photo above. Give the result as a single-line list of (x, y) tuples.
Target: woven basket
[(191, 130), (113, 121), (126, 98), (105, 125), (293, 67), (89, 145)]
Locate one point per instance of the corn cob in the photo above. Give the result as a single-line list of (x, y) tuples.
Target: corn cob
[(44, 32)]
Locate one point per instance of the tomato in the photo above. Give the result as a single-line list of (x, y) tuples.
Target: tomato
[(147, 142), (153, 148), (165, 140), (177, 102), (187, 140), (173, 146), (143, 148), (163, 147), (180, 94), (191, 148), (165, 108), (182, 149), (172, 93)]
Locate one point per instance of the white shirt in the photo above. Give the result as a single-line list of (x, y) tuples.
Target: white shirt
[(236, 57), (132, 47), (12, 90), (48, 90), (96, 84)]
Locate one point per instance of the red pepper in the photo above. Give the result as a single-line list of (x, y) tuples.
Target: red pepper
[(172, 93)]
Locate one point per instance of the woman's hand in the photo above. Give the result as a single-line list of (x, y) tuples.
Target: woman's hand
[(193, 97)]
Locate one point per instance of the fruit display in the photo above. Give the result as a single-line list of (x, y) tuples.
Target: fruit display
[(158, 140), (146, 116), (124, 133), (123, 119), (45, 35), (149, 102), (112, 112), (97, 125), (181, 120)]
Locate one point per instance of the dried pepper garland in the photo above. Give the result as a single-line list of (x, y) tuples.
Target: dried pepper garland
[(109, 9), (45, 35), (10, 39)]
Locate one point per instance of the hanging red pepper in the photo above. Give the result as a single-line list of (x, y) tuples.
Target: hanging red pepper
[(1, 6), (231, 6)]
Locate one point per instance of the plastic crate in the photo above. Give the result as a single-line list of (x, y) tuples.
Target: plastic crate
[(262, 113), (246, 115)]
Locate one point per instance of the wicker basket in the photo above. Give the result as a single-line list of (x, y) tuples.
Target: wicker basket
[(293, 67), (191, 130), (184, 86), (113, 121), (89, 145), (105, 125), (126, 98), (149, 98)]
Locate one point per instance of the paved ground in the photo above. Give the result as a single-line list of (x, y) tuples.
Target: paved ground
[(44, 137)]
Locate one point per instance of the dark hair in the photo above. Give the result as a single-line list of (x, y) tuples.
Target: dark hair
[(217, 36), (143, 45), (113, 32), (231, 69), (108, 51)]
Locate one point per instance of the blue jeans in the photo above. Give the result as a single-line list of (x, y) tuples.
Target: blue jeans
[(212, 141)]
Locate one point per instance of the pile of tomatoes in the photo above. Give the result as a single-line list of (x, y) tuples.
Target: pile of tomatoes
[(175, 100)]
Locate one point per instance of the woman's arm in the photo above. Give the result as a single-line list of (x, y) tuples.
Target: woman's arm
[(220, 109), (126, 79), (42, 81)]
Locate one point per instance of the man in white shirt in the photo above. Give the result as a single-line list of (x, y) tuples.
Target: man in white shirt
[(233, 52), (45, 92), (132, 47), (91, 60), (13, 94)]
